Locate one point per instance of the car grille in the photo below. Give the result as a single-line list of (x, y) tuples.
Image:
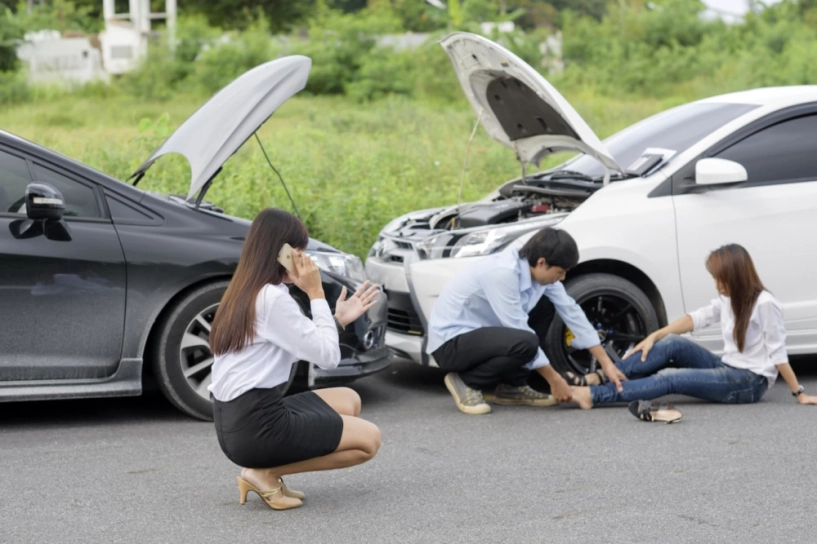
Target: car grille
[(402, 317)]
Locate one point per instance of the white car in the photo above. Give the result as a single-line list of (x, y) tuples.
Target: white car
[(646, 207)]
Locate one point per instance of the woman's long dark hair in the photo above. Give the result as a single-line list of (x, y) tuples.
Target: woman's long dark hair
[(734, 271), (234, 323)]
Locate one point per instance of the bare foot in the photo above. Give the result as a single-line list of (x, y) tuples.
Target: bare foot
[(581, 396)]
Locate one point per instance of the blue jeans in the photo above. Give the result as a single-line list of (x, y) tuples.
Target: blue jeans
[(677, 365)]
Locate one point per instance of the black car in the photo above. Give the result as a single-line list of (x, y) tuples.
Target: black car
[(102, 283)]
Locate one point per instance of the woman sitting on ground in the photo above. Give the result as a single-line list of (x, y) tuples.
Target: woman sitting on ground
[(257, 335), (754, 335)]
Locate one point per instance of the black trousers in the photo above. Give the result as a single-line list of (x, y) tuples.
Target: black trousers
[(492, 355)]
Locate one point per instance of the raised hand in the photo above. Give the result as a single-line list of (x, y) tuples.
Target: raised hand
[(347, 310)]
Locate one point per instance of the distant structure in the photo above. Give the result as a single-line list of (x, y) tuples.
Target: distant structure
[(125, 38), (56, 59), (733, 11), (69, 58)]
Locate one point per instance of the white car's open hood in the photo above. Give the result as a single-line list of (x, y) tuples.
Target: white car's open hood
[(517, 106), (217, 129)]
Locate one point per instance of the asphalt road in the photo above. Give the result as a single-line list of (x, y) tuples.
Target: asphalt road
[(134, 470)]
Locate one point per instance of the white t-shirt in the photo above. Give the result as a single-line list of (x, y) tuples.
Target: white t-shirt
[(765, 344), (283, 335)]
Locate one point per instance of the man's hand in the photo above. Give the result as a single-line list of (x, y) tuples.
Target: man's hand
[(613, 374), (558, 386), (560, 390), (609, 367)]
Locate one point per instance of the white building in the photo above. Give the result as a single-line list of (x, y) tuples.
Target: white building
[(125, 38), (54, 59)]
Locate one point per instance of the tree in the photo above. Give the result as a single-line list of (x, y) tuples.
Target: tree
[(282, 14), (10, 32)]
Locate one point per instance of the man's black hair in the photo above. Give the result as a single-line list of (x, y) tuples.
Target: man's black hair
[(556, 246)]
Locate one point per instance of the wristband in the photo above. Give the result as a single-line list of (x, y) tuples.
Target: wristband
[(337, 323), (799, 392)]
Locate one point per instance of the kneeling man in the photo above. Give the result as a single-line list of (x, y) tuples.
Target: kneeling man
[(488, 327)]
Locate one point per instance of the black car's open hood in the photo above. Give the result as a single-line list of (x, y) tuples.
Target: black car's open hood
[(217, 129)]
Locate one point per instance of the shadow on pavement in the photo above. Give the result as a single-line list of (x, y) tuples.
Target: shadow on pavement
[(403, 380), (413, 376), (150, 407)]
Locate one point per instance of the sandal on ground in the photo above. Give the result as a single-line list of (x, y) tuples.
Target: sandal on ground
[(580, 380), (274, 498), (652, 411)]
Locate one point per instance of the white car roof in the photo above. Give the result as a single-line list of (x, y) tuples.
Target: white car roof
[(770, 96)]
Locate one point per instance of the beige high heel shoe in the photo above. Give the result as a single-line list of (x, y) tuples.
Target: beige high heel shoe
[(281, 502), (291, 492)]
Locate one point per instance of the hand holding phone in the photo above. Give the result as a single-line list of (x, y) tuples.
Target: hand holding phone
[(302, 271)]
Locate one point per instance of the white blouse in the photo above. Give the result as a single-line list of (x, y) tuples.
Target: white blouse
[(765, 344), (283, 335)]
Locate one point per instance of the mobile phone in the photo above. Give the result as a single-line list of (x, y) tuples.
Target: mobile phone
[(285, 258)]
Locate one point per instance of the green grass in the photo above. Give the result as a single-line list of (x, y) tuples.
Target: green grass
[(351, 167)]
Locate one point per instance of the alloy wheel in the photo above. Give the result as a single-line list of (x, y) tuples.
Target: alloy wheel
[(619, 324), (195, 354)]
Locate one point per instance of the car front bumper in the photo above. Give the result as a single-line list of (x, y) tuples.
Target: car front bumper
[(406, 326), (361, 365)]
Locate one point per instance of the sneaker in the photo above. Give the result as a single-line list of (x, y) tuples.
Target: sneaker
[(525, 395), (468, 400)]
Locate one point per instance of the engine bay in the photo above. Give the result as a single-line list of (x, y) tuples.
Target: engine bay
[(538, 196), (517, 201)]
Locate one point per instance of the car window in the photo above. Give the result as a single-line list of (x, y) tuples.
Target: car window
[(676, 129), (783, 153), (125, 212), (80, 200), (14, 178)]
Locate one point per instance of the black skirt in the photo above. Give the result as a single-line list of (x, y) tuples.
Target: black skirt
[(263, 429)]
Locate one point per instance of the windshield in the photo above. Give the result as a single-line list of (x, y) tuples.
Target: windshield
[(675, 129)]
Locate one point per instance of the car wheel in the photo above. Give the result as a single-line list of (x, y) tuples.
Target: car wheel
[(182, 358), (620, 312)]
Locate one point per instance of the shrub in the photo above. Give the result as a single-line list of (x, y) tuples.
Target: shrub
[(339, 45), (226, 59), (13, 87)]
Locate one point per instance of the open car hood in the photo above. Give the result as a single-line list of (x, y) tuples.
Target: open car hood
[(516, 105), (218, 128)]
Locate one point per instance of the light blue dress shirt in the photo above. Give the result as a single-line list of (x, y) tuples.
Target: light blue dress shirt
[(499, 292)]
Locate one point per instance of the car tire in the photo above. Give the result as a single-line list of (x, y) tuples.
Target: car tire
[(169, 368), (604, 298), (171, 361)]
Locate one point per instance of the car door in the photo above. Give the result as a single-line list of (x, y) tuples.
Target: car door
[(773, 215), (62, 303)]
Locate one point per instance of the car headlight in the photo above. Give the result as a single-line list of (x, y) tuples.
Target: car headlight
[(476, 242), (341, 264)]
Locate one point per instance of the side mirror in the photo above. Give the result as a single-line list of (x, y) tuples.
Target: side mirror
[(719, 171), (44, 202)]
